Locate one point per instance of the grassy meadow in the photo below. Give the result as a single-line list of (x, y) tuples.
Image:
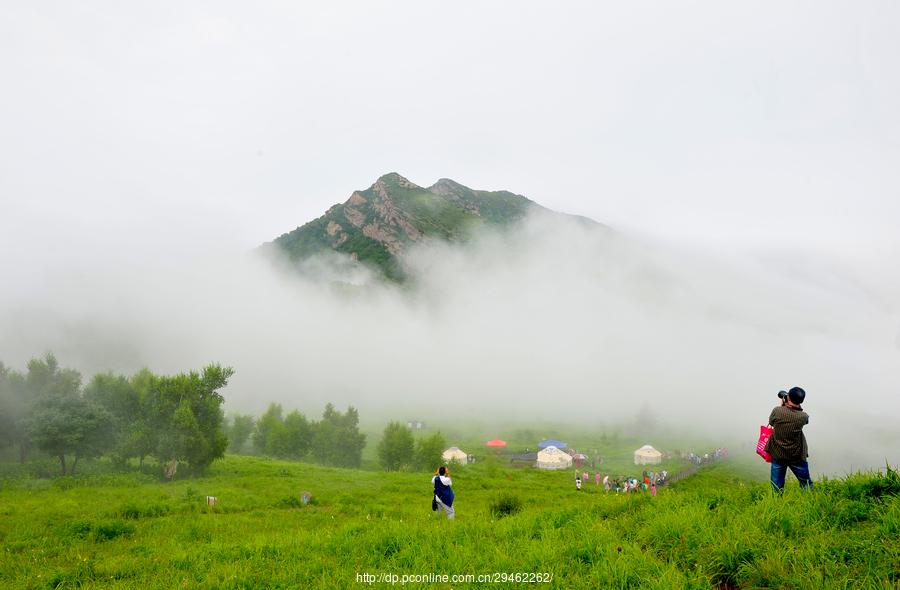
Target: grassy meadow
[(719, 528)]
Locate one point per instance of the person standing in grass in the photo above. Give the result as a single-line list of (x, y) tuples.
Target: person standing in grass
[(787, 445), (443, 493)]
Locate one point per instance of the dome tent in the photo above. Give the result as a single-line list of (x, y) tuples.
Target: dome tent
[(647, 455), (552, 442), (455, 454), (496, 443), (553, 458)]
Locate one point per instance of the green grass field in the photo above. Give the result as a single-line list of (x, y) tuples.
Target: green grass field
[(720, 528)]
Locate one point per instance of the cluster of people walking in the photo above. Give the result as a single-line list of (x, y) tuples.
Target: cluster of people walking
[(649, 481), (719, 453)]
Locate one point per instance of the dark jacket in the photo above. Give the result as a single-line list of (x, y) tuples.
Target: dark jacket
[(443, 492), (788, 443)]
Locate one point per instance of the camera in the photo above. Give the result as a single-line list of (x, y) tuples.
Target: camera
[(782, 395)]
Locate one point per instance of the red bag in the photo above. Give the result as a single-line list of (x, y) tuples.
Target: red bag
[(764, 433)]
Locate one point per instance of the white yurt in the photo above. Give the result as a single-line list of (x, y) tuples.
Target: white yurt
[(553, 458), (455, 454), (647, 455)]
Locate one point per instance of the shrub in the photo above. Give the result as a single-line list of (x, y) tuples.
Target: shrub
[(107, 531), (80, 529), (290, 502), (505, 505), (82, 574), (866, 486), (729, 562), (132, 511), (849, 512), (191, 496)]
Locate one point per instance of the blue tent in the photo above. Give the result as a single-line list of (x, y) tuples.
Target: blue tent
[(552, 442)]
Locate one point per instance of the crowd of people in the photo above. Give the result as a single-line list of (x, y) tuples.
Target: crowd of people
[(719, 453), (649, 481)]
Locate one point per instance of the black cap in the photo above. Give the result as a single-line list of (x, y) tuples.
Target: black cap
[(797, 395)]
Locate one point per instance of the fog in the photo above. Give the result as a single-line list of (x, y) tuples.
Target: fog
[(553, 321), (744, 155)]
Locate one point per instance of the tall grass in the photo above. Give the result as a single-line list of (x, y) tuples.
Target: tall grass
[(721, 528)]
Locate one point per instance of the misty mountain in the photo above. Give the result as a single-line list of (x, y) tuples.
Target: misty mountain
[(377, 226)]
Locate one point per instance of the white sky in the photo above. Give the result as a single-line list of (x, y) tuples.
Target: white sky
[(223, 123)]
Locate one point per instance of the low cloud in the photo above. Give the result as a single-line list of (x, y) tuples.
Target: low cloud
[(553, 321)]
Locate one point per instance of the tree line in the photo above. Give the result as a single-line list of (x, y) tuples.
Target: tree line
[(333, 440), (175, 420), (171, 418), (178, 420)]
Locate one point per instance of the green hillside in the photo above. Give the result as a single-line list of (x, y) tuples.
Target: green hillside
[(720, 528), (377, 226)]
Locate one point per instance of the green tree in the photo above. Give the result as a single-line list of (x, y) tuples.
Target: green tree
[(429, 451), (11, 411), (16, 403), (141, 435), (44, 377), (283, 436), (188, 416), (70, 425), (298, 433), (267, 435), (395, 450), (61, 421), (336, 438), (351, 441), (239, 430), (118, 396)]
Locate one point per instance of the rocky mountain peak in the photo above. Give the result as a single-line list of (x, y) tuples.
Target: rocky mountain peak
[(391, 179), (378, 226), (447, 187)]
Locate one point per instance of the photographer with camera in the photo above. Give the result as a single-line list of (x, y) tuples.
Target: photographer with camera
[(787, 445)]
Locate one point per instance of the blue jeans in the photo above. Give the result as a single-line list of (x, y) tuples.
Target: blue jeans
[(799, 468)]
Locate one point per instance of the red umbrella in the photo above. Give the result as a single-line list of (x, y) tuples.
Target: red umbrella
[(496, 443)]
